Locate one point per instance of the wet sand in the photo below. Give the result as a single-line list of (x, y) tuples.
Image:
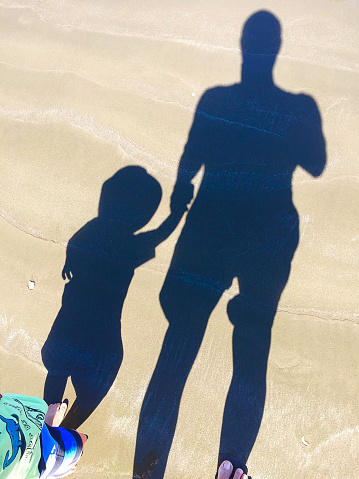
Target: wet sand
[(89, 89)]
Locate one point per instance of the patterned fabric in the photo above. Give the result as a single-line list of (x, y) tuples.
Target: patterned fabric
[(61, 449), (21, 421)]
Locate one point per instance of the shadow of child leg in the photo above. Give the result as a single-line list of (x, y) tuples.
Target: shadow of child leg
[(54, 388), (91, 386)]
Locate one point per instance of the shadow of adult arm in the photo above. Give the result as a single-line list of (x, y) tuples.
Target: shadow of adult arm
[(193, 157), (307, 139)]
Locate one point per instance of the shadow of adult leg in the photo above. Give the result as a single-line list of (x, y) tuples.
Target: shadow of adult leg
[(187, 307), (252, 313), (91, 386), (246, 396)]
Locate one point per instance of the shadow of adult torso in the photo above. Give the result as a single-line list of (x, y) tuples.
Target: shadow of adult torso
[(249, 140)]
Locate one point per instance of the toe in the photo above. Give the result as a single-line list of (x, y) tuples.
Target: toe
[(225, 470), (239, 474), (55, 414), (51, 410), (51, 413)]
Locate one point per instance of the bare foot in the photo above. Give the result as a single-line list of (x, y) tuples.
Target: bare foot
[(55, 414), (225, 471)]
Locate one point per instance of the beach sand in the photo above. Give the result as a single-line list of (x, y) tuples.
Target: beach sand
[(89, 87)]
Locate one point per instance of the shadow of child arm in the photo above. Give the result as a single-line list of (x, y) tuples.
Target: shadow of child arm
[(72, 252), (155, 237), (66, 270)]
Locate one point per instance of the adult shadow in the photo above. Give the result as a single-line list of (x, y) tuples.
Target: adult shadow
[(248, 138), (85, 340)]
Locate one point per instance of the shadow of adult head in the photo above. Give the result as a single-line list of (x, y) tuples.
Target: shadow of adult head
[(247, 138), (85, 340), (260, 43)]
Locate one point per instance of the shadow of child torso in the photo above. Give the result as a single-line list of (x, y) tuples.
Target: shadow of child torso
[(85, 339), (102, 259)]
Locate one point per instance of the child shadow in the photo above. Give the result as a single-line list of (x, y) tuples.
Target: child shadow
[(85, 340)]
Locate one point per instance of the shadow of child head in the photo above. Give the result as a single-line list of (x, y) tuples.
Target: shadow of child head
[(131, 196)]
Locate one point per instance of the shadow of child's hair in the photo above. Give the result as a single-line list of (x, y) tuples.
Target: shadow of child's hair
[(131, 196)]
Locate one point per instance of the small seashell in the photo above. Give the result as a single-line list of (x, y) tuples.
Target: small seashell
[(193, 94), (305, 442), (31, 284)]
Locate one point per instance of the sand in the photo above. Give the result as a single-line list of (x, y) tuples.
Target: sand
[(90, 87)]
